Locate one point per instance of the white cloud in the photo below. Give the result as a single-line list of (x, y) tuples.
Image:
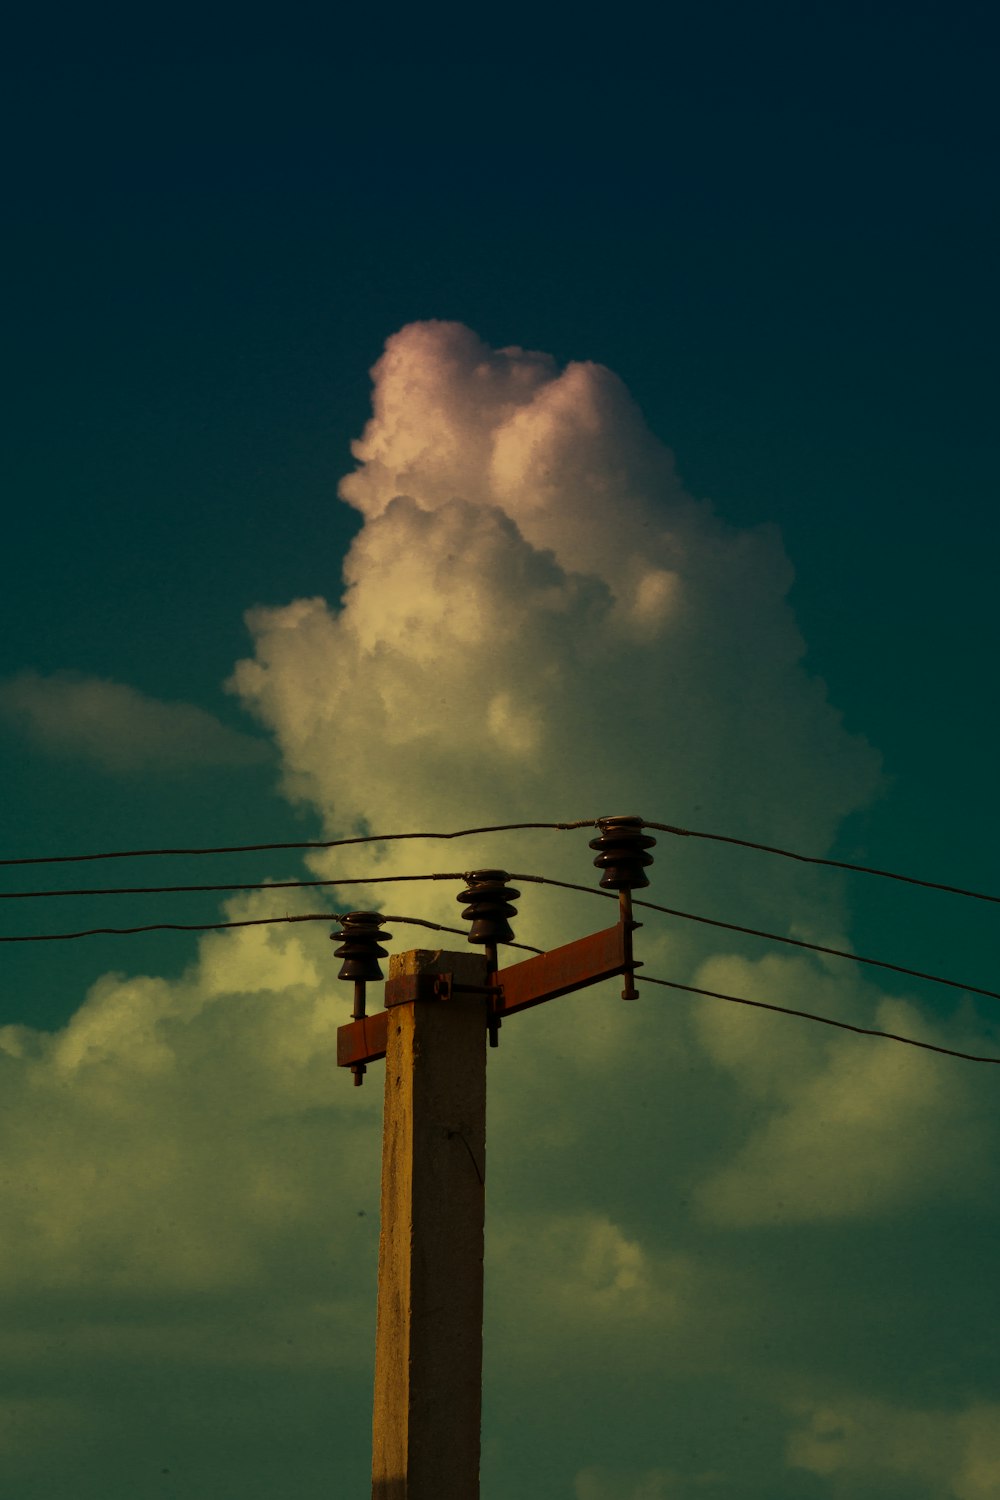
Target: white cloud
[(852, 1127), (579, 1282), (950, 1453), (116, 727), (176, 1134), (539, 623)]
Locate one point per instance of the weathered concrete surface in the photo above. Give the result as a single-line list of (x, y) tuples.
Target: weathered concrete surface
[(429, 1339)]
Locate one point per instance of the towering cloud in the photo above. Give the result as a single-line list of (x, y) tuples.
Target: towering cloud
[(539, 622), (691, 1210)]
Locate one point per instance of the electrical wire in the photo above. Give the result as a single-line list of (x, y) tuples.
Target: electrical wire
[(439, 927), (812, 859), (462, 931), (65, 937), (260, 885), (332, 917), (775, 937), (671, 911), (365, 838), (322, 916), (808, 1015), (381, 838)]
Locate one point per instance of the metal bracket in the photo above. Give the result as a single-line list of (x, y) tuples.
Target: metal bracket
[(586, 961), (406, 988)]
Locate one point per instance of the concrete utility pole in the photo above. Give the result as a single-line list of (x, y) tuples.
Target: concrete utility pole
[(429, 1336), (440, 1007)]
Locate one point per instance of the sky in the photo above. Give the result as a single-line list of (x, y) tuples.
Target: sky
[(424, 424)]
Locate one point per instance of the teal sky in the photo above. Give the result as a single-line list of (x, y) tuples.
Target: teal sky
[(779, 231)]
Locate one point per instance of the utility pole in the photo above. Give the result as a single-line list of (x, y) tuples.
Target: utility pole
[(440, 1007), (429, 1333)]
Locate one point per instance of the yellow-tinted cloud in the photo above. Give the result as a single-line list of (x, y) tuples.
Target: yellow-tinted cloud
[(175, 1135), (862, 1442), (116, 727), (851, 1127), (539, 622)]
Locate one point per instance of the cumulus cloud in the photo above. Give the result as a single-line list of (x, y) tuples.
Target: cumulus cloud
[(536, 622), (152, 1133), (863, 1442), (539, 622), (852, 1128), (584, 1287), (118, 728)]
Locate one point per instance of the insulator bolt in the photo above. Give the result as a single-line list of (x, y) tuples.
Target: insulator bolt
[(487, 902), (360, 938)]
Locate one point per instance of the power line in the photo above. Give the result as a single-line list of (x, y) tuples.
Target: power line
[(381, 838), (64, 937), (691, 989), (462, 931), (775, 937), (812, 859), (671, 911), (260, 885), (808, 1015), (330, 917), (857, 958), (323, 916), (366, 838)]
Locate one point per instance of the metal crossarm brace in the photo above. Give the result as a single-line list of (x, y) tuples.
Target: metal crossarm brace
[(586, 961)]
